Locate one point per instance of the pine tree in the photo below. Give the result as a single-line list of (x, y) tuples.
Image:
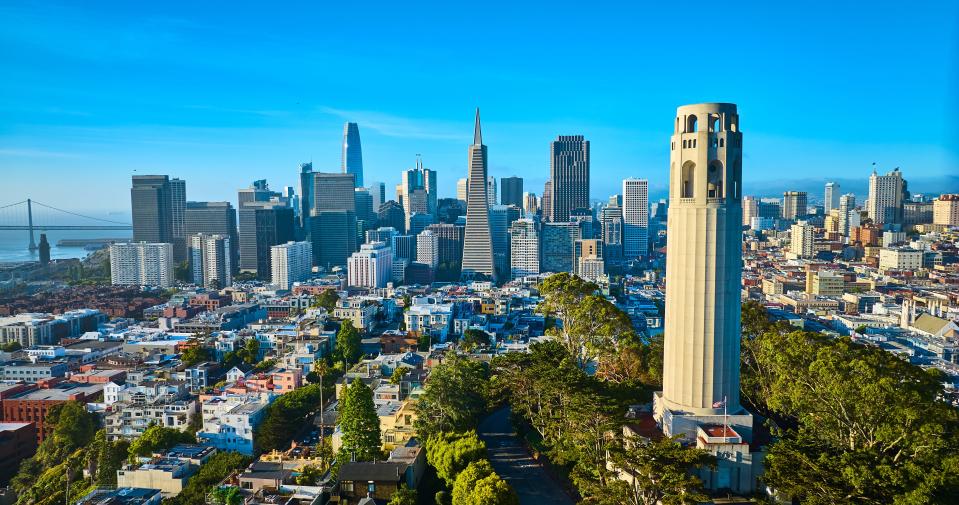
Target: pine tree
[(360, 424)]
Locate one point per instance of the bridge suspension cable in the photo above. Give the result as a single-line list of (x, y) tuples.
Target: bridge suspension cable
[(78, 215)]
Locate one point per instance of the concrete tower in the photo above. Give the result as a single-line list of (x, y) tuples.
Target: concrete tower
[(477, 242), (700, 397)]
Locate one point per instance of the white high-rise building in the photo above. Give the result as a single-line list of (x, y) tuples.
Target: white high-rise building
[(428, 248), (462, 186), (700, 396), (491, 190), (750, 209), (831, 197), (847, 207), (290, 263), (635, 218), (371, 266), (142, 264), (530, 204), (885, 197), (801, 242), (378, 190), (524, 248), (211, 260), (477, 243)]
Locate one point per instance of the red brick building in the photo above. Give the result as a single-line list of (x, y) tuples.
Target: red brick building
[(32, 406)]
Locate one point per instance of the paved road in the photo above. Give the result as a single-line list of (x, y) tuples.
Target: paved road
[(511, 461)]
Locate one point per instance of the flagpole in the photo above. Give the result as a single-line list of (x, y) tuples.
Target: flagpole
[(725, 418)]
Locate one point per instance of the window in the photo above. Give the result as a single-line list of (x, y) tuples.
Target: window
[(691, 125), (714, 180), (722, 142), (688, 177)]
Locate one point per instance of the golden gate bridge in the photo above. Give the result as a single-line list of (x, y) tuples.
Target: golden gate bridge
[(31, 216)]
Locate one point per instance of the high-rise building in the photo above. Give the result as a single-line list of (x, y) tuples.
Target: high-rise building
[(945, 210), (847, 206), (511, 191), (333, 237), (886, 194), (333, 192), (700, 397), (450, 243), (477, 243), (769, 207), (499, 220), (211, 260), (556, 250), (178, 214), (383, 234), (588, 262), (635, 218), (261, 226), (428, 249), (378, 190), (142, 264), (545, 202), (363, 201), (259, 191), (491, 190), (352, 153), (417, 191), (524, 248), (419, 222), (290, 263), (831, 197), (569, 176), (214, 218), (306, 195), (914, 213), (750, 209), (152, 205), (530, 204), (611, 231), (404, 246), (462, 189), (801, 240), (371, 266), (391, 214), (794, 205)]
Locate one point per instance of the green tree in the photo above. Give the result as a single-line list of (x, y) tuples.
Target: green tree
[(210, 474), (454, 397), (451, 453), (478, 484), (403, 496), (473, 338), (327, 299), (661, 470), (182, 271), (11, 346), (360, 424), (309, 475), (193, 355), (286, 417), (226, 495), (348, 342), (157, 438), (397, 376)]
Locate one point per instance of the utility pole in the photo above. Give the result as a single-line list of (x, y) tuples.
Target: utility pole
[(33, 243)]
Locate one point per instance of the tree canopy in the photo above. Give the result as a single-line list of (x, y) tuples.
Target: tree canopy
[(454, 397), (285, 417), (360, 424), (451, 453), (661, 471), (158, 438), (348, 342)]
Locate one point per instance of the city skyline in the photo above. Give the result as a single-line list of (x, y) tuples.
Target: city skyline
[(197, 132)]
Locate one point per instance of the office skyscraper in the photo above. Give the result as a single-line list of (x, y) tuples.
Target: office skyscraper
[(635, 218), (333, 233), (556, 250), (352, 153), (371, 266), (152, 205), (211, 260), (477, 246), (750, 209), (462, 190), (491, 190), (259, 191), (499, 221), (177, 214), (261, 226), (427, 249), (511, 191), (847, 205), (801, 242), (417, 191), (530, 204), (611, 231), (214, 218), (886, 194), (306, 194), (450, 244), (831, 197), (391, 214), (794, 205), (703, 282), (588, 259), (289, 263), (524, 248), (569, 176), (545, 201), (378, 190)]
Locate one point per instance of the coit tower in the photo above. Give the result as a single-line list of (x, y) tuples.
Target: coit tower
[(704, 262)]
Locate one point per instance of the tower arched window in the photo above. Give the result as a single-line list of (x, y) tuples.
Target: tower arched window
[(714, 124), (722, 143), (688, 178), (691, 124), (714, 180)]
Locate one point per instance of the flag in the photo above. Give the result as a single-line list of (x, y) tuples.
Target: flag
[(719, 404)]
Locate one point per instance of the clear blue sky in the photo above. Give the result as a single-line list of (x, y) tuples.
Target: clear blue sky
[(221, 94)]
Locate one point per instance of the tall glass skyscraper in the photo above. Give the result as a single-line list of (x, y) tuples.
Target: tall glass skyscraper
[(477, 242), (352, 153), (568, 176)]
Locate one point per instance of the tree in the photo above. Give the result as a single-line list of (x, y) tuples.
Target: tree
[(226, 495), (210, 474), (360, 424), (193, 355), (182, 271), (478, 484), (454, 397), (327, 299), (397, 376), (285, 418), (309, 475), (473, 338), (348, 342), (11, 346), (661, 471), (403, 496), (157, 438), (451, 453)]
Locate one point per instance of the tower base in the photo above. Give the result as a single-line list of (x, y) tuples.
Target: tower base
[(730, 438)]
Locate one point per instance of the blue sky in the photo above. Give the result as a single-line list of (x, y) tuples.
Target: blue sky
[(221, 94)]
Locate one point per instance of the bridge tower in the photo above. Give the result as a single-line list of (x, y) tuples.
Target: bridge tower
[(33, 243)]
